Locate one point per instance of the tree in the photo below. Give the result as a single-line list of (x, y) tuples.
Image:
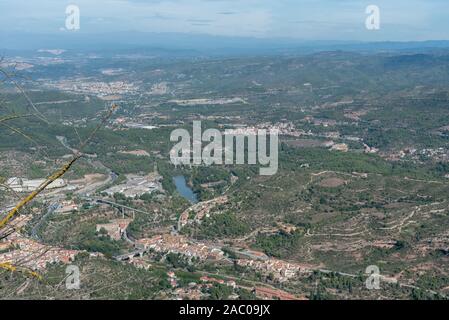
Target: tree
[(7, 118)]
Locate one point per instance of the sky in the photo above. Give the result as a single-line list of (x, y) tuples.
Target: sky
[(400, 20)]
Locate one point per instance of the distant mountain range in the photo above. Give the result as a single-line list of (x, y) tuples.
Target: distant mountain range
[(177, 44)]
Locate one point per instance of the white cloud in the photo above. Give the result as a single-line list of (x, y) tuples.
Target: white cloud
[(306, 19)]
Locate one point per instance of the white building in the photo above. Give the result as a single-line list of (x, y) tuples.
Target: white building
[(24, 185)]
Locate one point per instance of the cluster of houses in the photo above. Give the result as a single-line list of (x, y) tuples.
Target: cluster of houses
[(169, 243), (31, 254)]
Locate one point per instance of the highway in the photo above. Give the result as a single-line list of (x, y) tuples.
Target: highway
[(51, 209)]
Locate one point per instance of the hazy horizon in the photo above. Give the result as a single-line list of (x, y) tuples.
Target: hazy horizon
[(305, 20)]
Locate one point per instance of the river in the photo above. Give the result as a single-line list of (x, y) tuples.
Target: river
[(184, 190)]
